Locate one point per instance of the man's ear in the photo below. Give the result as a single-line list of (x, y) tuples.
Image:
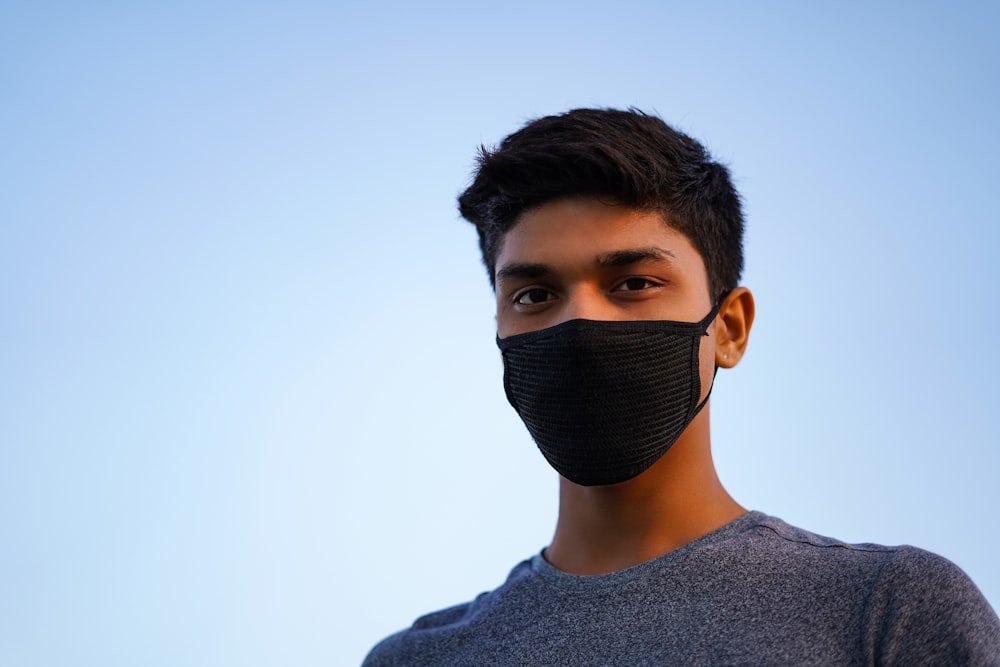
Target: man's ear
[(732, 329)]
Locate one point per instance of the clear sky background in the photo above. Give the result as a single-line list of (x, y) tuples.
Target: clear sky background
[(251, 409)]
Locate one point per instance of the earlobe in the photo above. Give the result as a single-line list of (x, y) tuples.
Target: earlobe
[(733, 327)]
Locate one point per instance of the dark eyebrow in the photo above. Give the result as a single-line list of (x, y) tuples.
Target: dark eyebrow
[(620, 258), (615, 259), (522, 270)]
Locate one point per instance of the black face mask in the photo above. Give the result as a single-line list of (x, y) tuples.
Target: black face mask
[(605, 400)]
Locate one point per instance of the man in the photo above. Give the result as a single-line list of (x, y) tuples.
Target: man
[(614, 244)]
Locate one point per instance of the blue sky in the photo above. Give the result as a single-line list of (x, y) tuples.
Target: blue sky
[(250, 400)]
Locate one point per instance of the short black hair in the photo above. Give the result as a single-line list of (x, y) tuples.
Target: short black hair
[(626, 157)]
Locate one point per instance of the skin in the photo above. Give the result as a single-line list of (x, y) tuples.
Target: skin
[(584, 258)]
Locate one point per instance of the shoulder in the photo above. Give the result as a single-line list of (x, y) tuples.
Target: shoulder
[(394, 649), (925, 605), (893, 573), (437, 637), (917, 606), (790, 536), (789, 549)]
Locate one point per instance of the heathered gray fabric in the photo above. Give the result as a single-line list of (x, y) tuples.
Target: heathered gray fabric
[(754, 592)]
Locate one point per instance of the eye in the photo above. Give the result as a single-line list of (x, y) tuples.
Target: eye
[(635, 284), (533, 296)]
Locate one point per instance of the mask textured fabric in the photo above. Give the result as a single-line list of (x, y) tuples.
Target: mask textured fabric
[(605, 400)]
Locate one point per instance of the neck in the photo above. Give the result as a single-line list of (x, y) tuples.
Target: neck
[(604, 529)]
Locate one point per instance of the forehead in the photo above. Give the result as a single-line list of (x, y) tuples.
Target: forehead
[(573, 232)]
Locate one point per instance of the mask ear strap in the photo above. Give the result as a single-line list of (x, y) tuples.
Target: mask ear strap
[(708, 395), (707, 322)]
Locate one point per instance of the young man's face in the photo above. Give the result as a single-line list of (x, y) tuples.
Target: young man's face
[(584, 259)]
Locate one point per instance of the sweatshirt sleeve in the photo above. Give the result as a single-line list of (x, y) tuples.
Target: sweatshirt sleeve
[(926, 611)]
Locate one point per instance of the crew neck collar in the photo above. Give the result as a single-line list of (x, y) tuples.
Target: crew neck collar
[(557, 577)]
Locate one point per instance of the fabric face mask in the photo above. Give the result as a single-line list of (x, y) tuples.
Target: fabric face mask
[(605, 400)]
